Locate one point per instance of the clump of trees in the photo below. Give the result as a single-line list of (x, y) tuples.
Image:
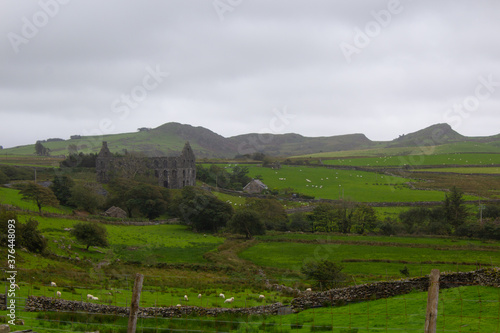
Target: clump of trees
[(139, 199), (40, 150), (345, 217), (247, 222), (202, 210), (79, 160), (218, 176)]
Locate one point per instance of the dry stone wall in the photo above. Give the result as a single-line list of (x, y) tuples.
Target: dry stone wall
[(483, 277), (42, 303)]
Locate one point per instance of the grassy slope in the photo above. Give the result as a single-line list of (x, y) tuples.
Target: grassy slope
[(331, 184), (451, 148)]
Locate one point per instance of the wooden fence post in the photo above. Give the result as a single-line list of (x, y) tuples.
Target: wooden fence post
[(134, 306), (432, 302)]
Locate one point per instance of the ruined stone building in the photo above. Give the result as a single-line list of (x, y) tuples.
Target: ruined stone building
[(171, 172)]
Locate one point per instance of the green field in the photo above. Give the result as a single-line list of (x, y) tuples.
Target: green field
[(334, 184), (409, 240), (417, 160), (451, 148), (152, 243), (12, 197), (467, 170), (359, 259)]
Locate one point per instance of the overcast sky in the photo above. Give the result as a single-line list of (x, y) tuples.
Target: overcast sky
[(313, 67)]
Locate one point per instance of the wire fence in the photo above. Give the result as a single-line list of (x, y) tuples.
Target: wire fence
[(462, 307)]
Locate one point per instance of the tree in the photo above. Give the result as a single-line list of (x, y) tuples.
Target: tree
[(86, 197), (61, 186), (40, 150), (90, 234), (203, 210), (31, 238), (333, 218), (271, 213), (326, 218), (246, 222), (454, 207), (149, 200), (364, 219), (299, 222), (39, 195), (325, 273)]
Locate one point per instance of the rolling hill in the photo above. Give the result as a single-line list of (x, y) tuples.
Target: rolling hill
[(170, 138)]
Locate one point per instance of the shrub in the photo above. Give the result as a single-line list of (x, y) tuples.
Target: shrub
[(325, 273)]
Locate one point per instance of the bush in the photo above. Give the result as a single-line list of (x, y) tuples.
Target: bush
[(90, 234), (325, 273), (31, 238)]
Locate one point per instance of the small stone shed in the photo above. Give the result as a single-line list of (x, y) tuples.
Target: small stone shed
[(255, 186)]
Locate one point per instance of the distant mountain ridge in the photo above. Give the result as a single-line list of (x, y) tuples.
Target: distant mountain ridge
[(170, 137)]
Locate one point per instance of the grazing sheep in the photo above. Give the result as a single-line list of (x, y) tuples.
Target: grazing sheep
[(222, 295), (58, 293), (262, 296), (53, 284), (178, 305), (229, 300), (186, 297), (89, 296), (95, 298), (199, 295), (308, 289)]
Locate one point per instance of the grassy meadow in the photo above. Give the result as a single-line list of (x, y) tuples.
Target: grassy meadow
[(369, 262), (361, 186)]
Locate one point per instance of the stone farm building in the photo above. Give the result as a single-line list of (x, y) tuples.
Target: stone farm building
[(255, 186), (171, 172)]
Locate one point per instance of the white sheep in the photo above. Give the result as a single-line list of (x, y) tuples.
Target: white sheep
[(262, 296), (89, 296), (58, 293), (222, 295), (53, 284), (178, 305), (308, 289), (199, 295), (229, 300), (186, 297), (95, 298)]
